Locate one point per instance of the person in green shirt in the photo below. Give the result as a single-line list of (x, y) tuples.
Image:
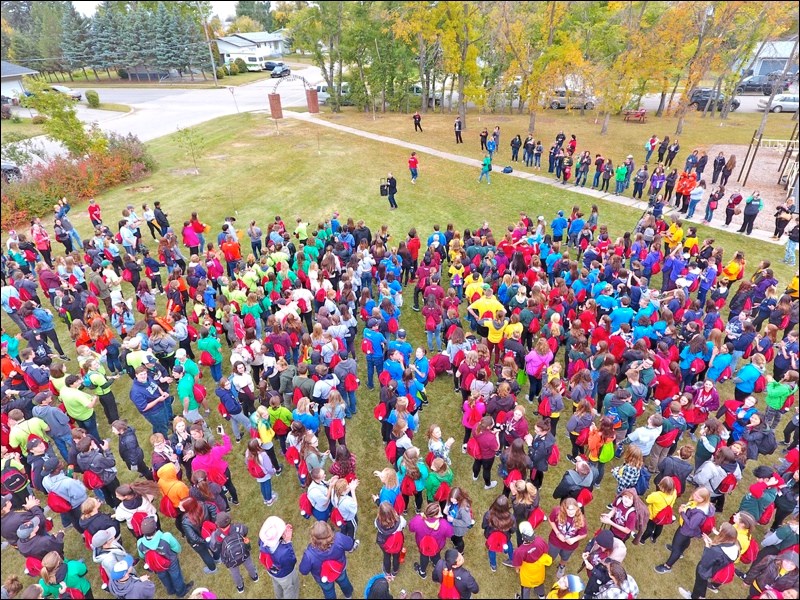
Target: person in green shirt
[(73, 577), (486, 168), (186, 395), (22, 429), (252, 307), (101, 385), (208, 342), (439, 473), (189, 366), (777, 393), (301, 231), (80, 405)]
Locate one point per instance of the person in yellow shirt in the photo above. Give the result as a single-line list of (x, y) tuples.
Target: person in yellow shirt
[(673, 235), (456, 272), (530, 560), (745, 525), (474, 286), (734, 270), (482, 308), (513, 325), (494, 339), (656, 502), (793, 289)]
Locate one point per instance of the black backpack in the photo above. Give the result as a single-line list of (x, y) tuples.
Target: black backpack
[(234, 549), (768, 443), (13, 480)]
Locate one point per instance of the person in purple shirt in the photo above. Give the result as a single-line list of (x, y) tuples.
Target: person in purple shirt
[(325, 557)]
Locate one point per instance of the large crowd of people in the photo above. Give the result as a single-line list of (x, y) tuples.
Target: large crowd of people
[(623, 341)]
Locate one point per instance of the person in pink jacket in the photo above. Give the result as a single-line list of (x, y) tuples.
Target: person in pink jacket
[(536, 363), (190, 238), (474, 408), (209, 459)]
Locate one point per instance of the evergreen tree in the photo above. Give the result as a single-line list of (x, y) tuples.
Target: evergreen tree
[(167, 55), (73, 40), (132, 41)]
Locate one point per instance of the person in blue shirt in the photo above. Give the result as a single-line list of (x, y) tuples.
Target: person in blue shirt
[(746, 377), (402, 346), (623, 314), (375, 345), (275, 539), (335, 225), (559, 224), (394, 365), (151, 401), (575, 228), (437, 236), (421, 365), (720, 360)]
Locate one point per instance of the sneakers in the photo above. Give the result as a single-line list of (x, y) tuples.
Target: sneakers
[(271, 501), (208, 571), (356, 544), (240, 590), (254, 579), (713, 588), (235, 502), (663, 569), (463, 448), (562, 568), (474, 478), (507, 563), (493, 568), (490, 486), (740, 574), (685, 593), (420, 572), (415, 308)]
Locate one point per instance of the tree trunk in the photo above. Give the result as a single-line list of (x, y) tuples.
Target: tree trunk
[(672, 95), (85, 74), (775, 88), (421, 68), (711, 105), (532, 122), (96, 76), (450, 94), (606, 119), (727, 108), (662, 102), (462, 105)]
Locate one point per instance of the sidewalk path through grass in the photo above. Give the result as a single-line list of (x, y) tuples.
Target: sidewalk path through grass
[(758, 234)]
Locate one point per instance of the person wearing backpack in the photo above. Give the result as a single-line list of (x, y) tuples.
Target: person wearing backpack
[(96, 380), (277, 555), (451, 567), (99, 464), (129, 450), (693, 518), (431, 532), (389, 538), (540, 448), (747, 378), (659, 505), (778, 391), (325, 559), (498, 524), (759, 439), (718, 554), (80, 405), (778, 573), (57, 421), (22, 430), (232, 545), (72, 493), (720, 475), (759, 500), (261, 468), (600, 446), (45, 325), (161, 552)]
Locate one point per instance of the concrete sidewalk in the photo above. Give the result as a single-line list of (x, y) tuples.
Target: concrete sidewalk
[(758, 234)]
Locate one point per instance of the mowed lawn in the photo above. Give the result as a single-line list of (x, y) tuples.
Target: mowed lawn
[(252, 169)]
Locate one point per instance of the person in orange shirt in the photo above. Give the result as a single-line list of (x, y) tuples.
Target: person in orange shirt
[(233, 253), (170, 486)]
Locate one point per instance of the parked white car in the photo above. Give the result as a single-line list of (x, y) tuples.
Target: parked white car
[(781, 103)]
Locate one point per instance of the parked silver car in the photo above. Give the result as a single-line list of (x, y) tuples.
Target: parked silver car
[(781, 103), (562, 98)]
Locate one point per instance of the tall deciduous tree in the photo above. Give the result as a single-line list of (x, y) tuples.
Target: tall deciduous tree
[(460, 39), (244, 24), (258, 11)]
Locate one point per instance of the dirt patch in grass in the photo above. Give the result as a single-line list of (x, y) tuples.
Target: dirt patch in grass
[(142, 190), (183, 172), (240, 145), (218, 156)]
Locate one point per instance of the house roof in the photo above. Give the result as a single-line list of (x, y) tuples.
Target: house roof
[(261, 36), (781, 49), (235, 40), (11, 70)]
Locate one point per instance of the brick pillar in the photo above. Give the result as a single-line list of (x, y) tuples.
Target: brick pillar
[(312, 99), (275, 106)]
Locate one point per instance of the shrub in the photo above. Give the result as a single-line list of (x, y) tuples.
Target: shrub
[(241, 65), (39, 120), (123, 74), (220, 73), (232, 69), (16, 119), (93, 98), (5, 111), (125, 160)]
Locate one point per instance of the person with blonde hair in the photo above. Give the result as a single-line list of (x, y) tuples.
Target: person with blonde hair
[(693, 516), (73, 576), (568, 527), (324, 548)]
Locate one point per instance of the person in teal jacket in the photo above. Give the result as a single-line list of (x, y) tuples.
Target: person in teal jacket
[(746, 377), (72, 575), (761, 495), (408, 466), (168, 547)]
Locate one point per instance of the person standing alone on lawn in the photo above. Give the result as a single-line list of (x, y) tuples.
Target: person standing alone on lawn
[(413, 165), (392, 183), (457, 129), (417, 121)]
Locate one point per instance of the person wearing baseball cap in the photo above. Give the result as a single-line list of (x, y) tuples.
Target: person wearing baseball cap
[(530, 560), (464, 581), (189, 366), (153, 539), (275, 541), (35, 541), (402, 346), (603, 548), (124, 583)]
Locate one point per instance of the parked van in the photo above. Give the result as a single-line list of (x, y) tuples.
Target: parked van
[(416, 90), (324, 94)]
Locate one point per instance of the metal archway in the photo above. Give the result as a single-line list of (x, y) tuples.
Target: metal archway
[(281, 80)]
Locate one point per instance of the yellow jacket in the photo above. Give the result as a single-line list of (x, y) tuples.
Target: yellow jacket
[(533, 574), (658, 501), (744, 538)]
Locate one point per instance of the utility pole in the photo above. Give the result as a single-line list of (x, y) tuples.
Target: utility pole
[(208, 44)]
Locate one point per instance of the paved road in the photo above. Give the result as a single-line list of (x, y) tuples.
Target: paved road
[(158, 112)]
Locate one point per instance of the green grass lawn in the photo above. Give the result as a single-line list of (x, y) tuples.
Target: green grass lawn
[(199, 81), (113, 106), (19, 131), (623, 137), (254, 170)]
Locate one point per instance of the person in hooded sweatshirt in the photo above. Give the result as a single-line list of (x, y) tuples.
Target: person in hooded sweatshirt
[(573, 481), (718, 553), (275, 541), (124, 583), (34, 541), (325, 549), (464, 581), (107, 550)]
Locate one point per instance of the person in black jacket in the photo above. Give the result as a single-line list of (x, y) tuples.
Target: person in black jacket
[(161, 218), (13, 516), (718, 553), (190, 522), (129, 450), (677, 465), (464, 581), (34, 541), (92, 520), (39, 454), (392, 183), (777, 572), (99, 459)]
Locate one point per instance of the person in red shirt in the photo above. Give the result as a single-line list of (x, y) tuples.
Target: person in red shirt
[(233, 254), (94, 213), (413, 244), (413, 165)]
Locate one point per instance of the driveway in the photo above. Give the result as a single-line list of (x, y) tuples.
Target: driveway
[(158, 112)]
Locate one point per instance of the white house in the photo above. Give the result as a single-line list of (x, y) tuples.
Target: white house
[(254, 47), (11, 76), (774, 57)]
